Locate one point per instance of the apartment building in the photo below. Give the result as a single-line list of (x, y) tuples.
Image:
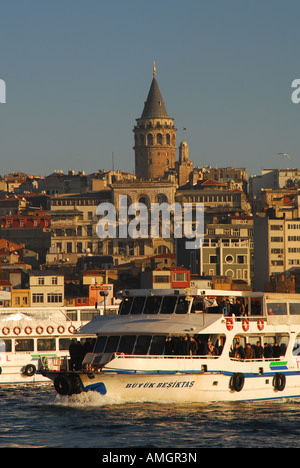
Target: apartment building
[(46, 288), (227, 250), (276, 247), (73, 226)]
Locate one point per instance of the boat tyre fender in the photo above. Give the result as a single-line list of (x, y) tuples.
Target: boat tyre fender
[(237, 381), (65, 385), (279, 381), (29, 370)]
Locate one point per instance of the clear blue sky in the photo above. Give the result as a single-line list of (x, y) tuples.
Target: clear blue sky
[(78, 72)]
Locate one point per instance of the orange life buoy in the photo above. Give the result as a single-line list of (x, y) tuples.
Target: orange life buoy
[(229, 324), (245, 324), (260, 324), (5, 330), (28, 330), (50, 329), (39, 330), (60, 329), (17, 330), (71, 329)]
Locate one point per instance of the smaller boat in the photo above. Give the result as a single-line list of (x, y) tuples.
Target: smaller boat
[(30, 336)]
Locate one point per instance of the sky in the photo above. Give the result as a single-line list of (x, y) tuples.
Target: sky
[(77, 74)]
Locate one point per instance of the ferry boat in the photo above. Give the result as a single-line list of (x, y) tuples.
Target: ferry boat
[(29, 336), (190, 346)]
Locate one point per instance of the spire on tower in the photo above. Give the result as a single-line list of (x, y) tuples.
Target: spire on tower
[(154, 69)]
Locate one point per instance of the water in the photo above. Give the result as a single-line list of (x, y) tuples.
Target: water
[(39, 417)]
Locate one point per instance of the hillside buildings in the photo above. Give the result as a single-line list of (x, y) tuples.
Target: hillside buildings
[(251, 227)]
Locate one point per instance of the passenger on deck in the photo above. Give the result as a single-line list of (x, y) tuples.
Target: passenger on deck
[(239, 309), (76, 354), (268, 352), (202, 347), (258, 350), (239, 352), (249, 353), (170, 346), (193, 346), (276, 350)]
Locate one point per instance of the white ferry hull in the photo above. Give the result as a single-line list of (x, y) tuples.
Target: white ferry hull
[(188, 388)]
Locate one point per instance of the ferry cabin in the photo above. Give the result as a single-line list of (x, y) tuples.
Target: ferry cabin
[(257, 308)]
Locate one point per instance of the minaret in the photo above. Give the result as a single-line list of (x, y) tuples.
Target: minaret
[(154, 137)]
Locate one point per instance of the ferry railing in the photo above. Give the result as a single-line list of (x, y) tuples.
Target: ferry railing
[(257, 359), (165, 356)]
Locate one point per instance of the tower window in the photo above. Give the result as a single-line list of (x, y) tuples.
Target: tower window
[(150, 139)]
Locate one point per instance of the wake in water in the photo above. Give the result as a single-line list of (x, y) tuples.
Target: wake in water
[(95, 399)]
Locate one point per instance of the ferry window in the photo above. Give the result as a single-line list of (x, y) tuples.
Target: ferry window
[(168, 304), (197, 306), (100, 344), (182, 306), (126, 344), (296, 347), (64, 343), (263, 346), (88, 315), (112, 344), (46, 344), (142, 344), (256, 307), (24, 345), (72, 315), (5, 346), (137, 306), (294, 308), (125, 306), (152, 305), (276, 308), (158, 345)]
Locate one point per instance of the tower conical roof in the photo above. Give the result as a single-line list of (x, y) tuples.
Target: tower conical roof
[(154, 106)]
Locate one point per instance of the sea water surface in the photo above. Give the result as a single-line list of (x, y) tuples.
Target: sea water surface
[(39, 417)]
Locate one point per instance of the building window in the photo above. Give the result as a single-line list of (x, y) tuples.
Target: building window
[(229, 259), (161, 279), (54, 279), (180, 277), (41, 281), (37, 298), (52, 297), (213, 259), (241, 259)]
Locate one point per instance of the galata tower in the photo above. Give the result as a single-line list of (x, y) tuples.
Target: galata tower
[(154, 137)]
